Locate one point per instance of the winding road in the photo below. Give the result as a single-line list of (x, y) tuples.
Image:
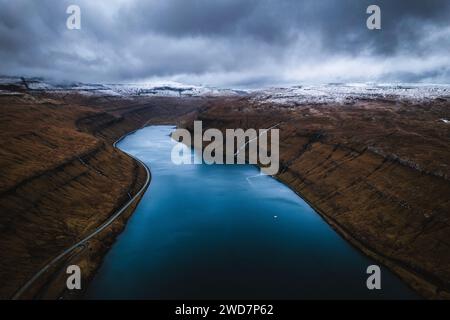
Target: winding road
[(83, 242)]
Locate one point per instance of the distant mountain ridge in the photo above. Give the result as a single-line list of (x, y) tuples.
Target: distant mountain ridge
[(170, 88), (341, 93)]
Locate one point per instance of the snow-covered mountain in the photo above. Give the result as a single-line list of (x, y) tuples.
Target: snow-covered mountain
[(346, 93), (305, 94), (169, 88), (173, 89)]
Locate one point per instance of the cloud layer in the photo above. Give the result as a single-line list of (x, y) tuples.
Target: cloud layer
[(227, 42)]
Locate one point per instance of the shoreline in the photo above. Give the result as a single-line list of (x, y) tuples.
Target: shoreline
[(69, 180), (374, 188), (84, 243), (418, 283), (425, 288), (413, 279)]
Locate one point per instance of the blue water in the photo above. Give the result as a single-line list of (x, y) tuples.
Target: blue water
[(224, 231)]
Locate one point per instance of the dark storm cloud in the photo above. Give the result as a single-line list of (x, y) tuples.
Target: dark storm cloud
[(227, 42)]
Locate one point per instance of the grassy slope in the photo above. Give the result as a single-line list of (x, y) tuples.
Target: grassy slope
[(377, 171), (61, 177)]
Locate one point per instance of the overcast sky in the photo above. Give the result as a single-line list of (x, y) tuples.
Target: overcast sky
[(227, 43)]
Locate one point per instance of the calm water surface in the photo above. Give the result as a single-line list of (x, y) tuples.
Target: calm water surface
[(224, 231)]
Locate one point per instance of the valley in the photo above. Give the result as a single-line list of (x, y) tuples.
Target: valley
[(375, 167)]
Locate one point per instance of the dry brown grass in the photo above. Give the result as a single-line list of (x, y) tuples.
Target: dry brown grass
[(378, 171), (60, 176)]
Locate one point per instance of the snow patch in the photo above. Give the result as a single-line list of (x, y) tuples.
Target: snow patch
[(348, 93), (341, 93)]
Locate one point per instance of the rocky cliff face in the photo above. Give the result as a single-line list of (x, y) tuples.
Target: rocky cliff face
[(375, 170)]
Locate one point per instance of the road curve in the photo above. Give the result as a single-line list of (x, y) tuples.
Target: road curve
[(82, 242)]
